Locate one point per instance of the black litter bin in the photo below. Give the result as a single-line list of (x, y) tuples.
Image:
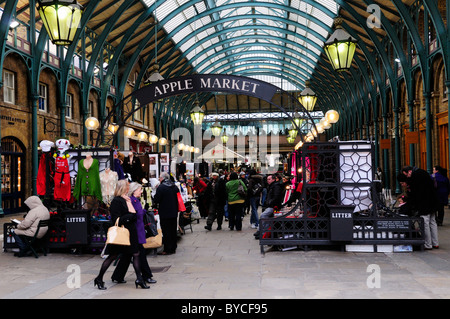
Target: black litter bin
[(341, 222), (77, 225)]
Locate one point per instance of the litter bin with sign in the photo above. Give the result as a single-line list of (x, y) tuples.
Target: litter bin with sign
[(77, 226)]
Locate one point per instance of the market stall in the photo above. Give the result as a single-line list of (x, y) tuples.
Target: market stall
[(339, 204)]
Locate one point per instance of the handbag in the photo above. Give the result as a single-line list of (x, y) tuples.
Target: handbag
[(154, 242), (241, 190), (150, 227), (118, 235)]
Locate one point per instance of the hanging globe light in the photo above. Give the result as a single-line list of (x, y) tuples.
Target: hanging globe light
[(142, 136), (92, 123), (340, 47), (129, 132), (197, 114), (162, 141), (332, 116), (308, 98), (153, 139), (216, 128), (113, 127), (61, 19), (180, 146)]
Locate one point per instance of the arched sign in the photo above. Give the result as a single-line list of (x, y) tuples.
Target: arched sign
[(206, 83), (200, 83)]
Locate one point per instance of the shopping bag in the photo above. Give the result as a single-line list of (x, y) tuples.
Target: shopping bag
[(181, 207), (155, 241)]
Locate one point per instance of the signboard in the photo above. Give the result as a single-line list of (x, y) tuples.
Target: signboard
[(385, 144), (393, 224), (205, 83), (412, 137)]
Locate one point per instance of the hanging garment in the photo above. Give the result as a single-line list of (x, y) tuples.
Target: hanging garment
[(88, 181), (62, 179), (108, 180), (45, 170)]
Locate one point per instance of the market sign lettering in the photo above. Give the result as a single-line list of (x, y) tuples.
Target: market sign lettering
[(205, 83)]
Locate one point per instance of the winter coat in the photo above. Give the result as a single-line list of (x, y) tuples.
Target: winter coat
[(252, 181), (167, 198), (38, 211), (140, 212), (421, 193), (442, 185), (219, 193), (232, 192), (274, 196)]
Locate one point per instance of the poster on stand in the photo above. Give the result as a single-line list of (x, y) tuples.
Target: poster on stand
[(189, 170), (153, 165), (165, 162)]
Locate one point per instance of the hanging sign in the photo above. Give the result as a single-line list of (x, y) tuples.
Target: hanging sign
[(205, 83)]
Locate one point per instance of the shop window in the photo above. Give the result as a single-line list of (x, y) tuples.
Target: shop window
[(91, 108), (43, 97), (12, 170), (69, 107), (137, 114), (8, 87)]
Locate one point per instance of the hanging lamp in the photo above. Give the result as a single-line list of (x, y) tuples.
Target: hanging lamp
[(216, 128), (61, 19), (340, 47), (197, 114), (308, 98)]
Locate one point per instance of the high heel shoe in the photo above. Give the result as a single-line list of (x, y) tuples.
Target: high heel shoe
[(100, 284), (141, 284)]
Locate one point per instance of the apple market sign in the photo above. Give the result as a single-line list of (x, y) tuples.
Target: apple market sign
[(205, 83)]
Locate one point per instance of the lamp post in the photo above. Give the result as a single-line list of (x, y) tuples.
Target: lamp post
[(61, 19), (340, 47)]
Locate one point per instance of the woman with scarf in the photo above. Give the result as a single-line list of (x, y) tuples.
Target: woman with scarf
[(122, 208)]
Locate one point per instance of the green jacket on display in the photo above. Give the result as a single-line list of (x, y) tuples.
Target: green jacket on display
[(88, 181)]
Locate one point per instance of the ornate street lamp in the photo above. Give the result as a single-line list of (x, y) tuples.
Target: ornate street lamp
[(292, 132), (216, 128), (308, 98), (297, 119), (290, 139), (340, 47), (197, 114), (61, 19)]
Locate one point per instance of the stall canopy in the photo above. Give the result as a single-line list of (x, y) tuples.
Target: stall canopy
[(220, 152)]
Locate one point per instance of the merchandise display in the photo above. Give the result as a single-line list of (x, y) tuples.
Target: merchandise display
[(62, 190), (108, 181), (88, 179)]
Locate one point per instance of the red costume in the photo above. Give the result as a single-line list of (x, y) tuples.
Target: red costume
[(62, 179), (43, 174)]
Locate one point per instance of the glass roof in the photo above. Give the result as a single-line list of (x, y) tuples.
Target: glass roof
[(270, 39)]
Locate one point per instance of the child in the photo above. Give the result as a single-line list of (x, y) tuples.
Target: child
[(403, 205)]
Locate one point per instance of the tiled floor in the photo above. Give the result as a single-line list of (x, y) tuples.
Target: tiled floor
[(228, 265)]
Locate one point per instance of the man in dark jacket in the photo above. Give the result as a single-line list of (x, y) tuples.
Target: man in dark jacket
[(217, 193), (167, 198), (273, 200), (254, 189)]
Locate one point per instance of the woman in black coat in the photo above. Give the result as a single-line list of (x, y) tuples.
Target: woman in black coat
[(122, 208)]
